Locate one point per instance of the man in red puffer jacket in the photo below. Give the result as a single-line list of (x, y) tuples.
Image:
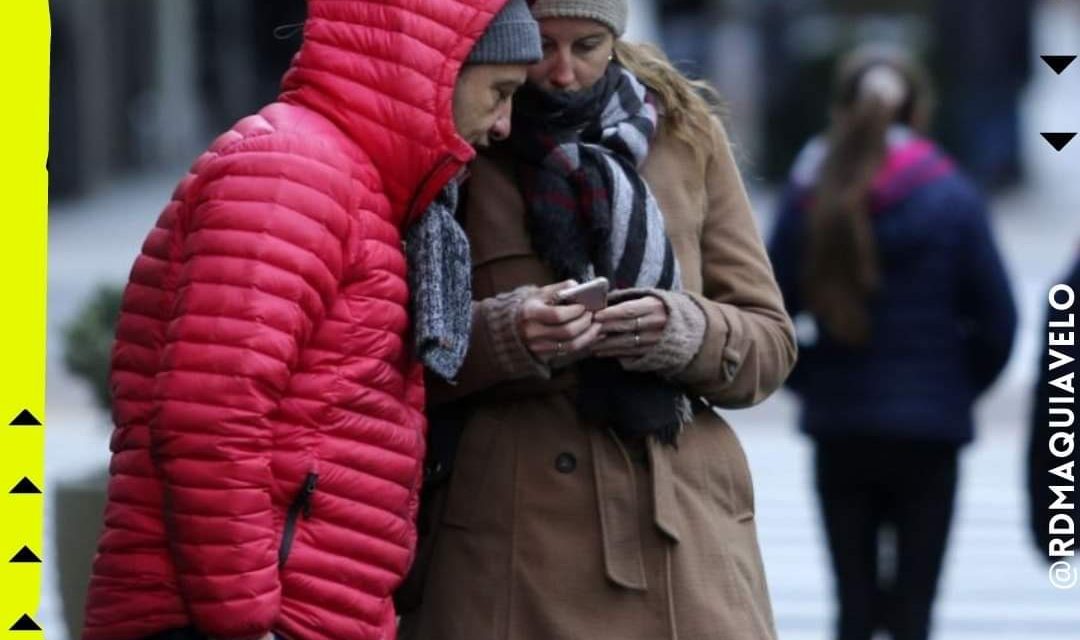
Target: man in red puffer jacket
[(267, 398)]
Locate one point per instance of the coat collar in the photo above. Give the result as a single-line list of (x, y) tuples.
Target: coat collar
[(911, 161), (384, 74)]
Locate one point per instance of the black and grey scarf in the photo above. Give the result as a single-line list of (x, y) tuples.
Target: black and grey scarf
[(591, 213), (440, 285)]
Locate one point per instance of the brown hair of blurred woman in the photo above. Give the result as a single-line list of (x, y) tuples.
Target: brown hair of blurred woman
[(874, 89)]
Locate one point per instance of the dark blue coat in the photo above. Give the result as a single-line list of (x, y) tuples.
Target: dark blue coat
[(943, 322)]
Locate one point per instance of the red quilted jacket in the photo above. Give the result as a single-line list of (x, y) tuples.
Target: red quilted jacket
[(268, 407)]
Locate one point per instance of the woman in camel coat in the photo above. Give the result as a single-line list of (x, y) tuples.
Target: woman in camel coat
[(558, 526)]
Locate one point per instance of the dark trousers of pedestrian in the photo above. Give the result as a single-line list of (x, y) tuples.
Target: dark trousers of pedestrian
[(868, 487)]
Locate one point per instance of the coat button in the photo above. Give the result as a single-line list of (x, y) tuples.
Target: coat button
[(565, 463), (730, 369)]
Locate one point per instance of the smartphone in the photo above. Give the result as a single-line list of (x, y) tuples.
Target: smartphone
[(592, 294)]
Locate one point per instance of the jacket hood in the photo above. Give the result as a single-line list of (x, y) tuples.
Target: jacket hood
[(910, 162), (384, 73)]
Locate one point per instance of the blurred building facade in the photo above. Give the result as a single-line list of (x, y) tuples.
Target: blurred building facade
[(139, 84), (772, 60)]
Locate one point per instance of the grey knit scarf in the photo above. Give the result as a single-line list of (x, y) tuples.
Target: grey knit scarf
[(440, 285)]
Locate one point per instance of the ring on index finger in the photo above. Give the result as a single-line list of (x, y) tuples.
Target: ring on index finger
[(637, 339)]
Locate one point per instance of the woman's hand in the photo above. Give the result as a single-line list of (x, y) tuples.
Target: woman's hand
[(556, 332), (631, 328)]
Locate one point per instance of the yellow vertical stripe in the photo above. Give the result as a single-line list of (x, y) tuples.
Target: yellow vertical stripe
[(24, 112)]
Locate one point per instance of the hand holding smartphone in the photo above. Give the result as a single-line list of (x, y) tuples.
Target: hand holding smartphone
[(592, 294)]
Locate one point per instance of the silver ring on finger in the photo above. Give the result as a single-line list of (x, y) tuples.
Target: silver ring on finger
[(560, 348), (637, 324), (637, 339)]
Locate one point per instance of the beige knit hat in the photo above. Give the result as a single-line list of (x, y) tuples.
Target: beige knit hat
[(611, 13)]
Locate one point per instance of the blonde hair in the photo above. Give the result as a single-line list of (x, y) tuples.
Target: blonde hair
[(689, 107)]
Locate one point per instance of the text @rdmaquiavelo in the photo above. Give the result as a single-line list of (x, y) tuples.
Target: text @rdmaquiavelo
[(1061, 436)]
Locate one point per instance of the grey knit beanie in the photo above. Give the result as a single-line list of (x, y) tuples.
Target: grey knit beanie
[(512, 37), (612, 13)]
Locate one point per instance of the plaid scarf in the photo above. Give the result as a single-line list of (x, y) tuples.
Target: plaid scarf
[(590, 213)]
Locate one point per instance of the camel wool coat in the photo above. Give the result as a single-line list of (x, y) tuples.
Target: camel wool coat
[(554, 529)]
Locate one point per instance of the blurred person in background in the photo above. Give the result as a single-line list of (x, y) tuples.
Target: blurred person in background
[(594, 494), (688, 29), (888, 252), (984, 56), (1041, 458), (269, 410)]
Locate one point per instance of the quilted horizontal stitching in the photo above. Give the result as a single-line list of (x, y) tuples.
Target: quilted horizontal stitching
[(134, 372), (360, 525), (375, 300), (150, 506), (176, 402), (210, 597), (335, 462), (214, 316), (400, 277), (152, 288), (177, 485), (148, 340), (235, 172), (388, 426), (209, 374), (359, 357), (336, 589), (425, 110), (236, 150), (393, 243), (217, 199), (370, 560), (392, 397), (146, 373), (411, 14), (397, 61), (379, 123), (255, 531), (315, 257), (313, 349), (152, 261), (210, 343), (243, 287)]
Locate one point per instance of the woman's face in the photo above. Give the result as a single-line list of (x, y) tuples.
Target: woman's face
[(576, 54)]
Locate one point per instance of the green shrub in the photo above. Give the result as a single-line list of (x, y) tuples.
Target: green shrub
[(88, 341)]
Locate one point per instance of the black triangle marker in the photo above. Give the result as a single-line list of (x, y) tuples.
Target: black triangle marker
[(25, 486), (25, 555), (25, 623), (1058, 63), (1059, 140), (25, 419)]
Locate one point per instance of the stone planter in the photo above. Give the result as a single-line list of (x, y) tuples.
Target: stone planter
[(78, 506)]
